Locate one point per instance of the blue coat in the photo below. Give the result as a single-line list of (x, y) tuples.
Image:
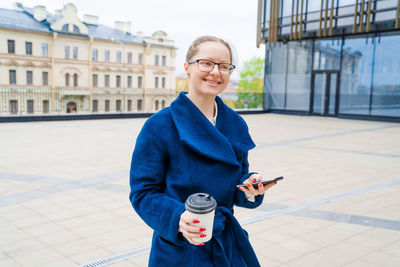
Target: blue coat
[(179, 152)]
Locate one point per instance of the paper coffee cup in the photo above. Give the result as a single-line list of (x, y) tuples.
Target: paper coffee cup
[(201, 206)]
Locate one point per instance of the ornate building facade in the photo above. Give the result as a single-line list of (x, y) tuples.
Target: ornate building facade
[(57, 64)]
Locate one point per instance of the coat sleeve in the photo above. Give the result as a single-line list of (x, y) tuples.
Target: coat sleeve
[(240, 197), (147, 175)]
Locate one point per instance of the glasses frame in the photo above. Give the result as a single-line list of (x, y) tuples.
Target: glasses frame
[(231, 66)]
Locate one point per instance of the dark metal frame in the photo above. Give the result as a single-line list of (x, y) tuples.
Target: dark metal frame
[(327, 92)]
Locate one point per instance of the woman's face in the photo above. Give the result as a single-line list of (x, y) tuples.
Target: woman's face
[(213, 82)]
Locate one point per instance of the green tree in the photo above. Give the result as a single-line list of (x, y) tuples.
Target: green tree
[(251, 84)]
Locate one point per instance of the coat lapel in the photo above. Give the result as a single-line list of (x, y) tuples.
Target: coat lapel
[(223, 142)]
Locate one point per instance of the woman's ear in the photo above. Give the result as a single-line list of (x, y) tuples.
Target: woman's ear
[(186, 67)]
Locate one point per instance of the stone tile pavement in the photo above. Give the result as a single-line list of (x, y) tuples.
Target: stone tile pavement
[(64, 193)]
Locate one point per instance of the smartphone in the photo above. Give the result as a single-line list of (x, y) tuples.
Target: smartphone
[(265, 182)]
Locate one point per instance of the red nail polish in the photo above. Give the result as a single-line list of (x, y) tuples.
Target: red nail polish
[(201, 244), (248, 185), (202, 229), (241, 188), (260, 185), (254, 180), (275, 182), (202, 235), (195, 221)]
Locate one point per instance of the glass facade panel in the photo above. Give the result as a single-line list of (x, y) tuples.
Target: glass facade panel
[(327, 54), (275, 75), (355, 80), (299, 76), (386, 81), (332, 93)]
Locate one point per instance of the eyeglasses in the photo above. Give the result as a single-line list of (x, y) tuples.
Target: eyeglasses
[(208, 65)]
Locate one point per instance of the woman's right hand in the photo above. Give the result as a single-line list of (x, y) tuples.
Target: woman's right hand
[(189, 229)]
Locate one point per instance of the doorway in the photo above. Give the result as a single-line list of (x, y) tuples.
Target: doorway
[(325, 92), (71, 107)]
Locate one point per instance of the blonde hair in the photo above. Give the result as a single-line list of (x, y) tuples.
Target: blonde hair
[(193, 48)]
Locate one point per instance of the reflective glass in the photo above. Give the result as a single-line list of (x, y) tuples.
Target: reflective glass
[(355, 80), (327, 54), (299, 76), (332, 93), (319, 93), (386, 82), (275, 75)]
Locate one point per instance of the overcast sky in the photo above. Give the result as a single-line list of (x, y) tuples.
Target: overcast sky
[(182, 20)]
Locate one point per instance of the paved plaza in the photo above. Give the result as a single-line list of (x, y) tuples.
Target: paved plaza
[(64, 190)]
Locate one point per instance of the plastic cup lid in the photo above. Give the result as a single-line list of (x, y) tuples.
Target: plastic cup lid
[(200, 203)]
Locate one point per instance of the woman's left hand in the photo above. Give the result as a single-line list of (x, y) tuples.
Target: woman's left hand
[(249, 189)]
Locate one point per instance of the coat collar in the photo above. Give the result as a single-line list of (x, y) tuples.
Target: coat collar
[(224, 142)]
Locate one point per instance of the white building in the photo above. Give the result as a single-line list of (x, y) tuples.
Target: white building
[(57, 63)]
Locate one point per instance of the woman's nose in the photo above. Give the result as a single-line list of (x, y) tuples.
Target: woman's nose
[(215, 69)]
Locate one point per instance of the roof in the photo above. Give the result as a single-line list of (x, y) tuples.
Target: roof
[(24, 20)]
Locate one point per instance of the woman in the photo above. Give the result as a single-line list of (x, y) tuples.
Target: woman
[(196, 145)]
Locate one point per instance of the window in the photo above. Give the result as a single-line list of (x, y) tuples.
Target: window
[(129, 105), (65, 27), (11, 46), (163, 82), (106, 80), (75, 52), (28, 48), (156, 60), (163, 104), (45, 50), (13, 106), (106, 55), (118, 105), (164, 60), (76, 29), (75, 80), (29, 106), (129, 81), (94, 105), (140, 58), (94, 79), (29, 77), (130, 57), (94, 54), (67, 79), (45, 78), (107, 105), (66, 49), (45, 106), (139, 104), (118, 81), (157, 105), (139, 81), (156, 82), (13, 77), (118, 55)]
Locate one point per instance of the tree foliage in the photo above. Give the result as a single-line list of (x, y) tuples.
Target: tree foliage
[(251, 84)]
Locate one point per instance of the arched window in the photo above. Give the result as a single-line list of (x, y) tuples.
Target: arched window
[(157, 104), (67, 79), (65, 27), (163, 104), (76, 29), (75, 80)]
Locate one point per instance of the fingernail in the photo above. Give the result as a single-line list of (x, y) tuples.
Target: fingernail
[(275, 182), (241, 188), (202, 235), (201, 244), (195, 221), (254, 180), (248, 185), (260, 185), (202, 229)]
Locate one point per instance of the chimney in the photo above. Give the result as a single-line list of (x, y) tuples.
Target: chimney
[(129, 27), (39, 13), (120, 25), (90, 19)]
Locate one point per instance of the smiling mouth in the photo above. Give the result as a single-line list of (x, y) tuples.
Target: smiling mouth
[(212, 82)]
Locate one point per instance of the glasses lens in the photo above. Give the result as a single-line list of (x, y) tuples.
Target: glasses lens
[(206, 65), (224, 67)]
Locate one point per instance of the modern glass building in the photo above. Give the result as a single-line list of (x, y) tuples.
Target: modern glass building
[(331, 57)]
